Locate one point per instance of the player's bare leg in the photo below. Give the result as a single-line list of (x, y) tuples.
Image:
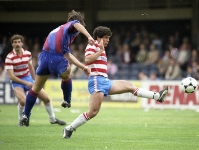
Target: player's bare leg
[(49, 108), (20, 94), (94, 107), (123, 86)]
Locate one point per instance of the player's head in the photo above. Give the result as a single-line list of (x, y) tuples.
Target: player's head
[(17, 37), (17, 41), (73, 15), (101, 31)]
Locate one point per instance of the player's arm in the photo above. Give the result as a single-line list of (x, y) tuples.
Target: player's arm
[(77, 63), (74, 60), (14, 78), (92, 57), (82, 29), (32, 70)]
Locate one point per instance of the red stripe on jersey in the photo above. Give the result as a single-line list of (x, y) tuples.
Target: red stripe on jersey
[(91, 50), (23, 75), (46, 45), (96, 45), (98, 70), (8, 64), (98, 62), (20, 63), (19, 70), (24, 55)]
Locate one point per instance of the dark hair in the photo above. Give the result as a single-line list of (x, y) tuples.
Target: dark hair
[(73, 15), (101, 31), (16, 37)]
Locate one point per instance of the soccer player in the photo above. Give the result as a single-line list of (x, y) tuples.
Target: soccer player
[(99, 85), (54, 59), (21, 72)]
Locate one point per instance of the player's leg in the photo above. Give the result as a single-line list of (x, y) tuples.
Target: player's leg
[(21, 97), (32, 96), (98, 87), (123, 86), (94, 107), (42, 95), (66, 84)]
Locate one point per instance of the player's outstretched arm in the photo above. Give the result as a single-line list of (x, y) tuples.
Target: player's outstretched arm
[(82, 29), (77, 63)]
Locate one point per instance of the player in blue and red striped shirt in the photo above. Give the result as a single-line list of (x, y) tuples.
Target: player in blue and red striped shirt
[(55, 58)]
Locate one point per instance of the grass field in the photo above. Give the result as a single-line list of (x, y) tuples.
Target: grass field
[(113, 129)]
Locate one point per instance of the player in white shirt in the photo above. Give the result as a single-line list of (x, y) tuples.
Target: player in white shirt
[(21, 72), (99, 85)]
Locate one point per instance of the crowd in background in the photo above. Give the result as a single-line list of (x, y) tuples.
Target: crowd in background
[(133, 54)]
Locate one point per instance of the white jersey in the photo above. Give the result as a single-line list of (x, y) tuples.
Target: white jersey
[(99, 66), (19, 64)]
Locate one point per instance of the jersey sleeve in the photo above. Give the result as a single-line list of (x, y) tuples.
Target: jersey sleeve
[(68, 50), (8, 63), (74, 21)]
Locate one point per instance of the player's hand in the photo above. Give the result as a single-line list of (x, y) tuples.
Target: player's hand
[(90, 40), (87, 71), (29, 84), (101, 45)]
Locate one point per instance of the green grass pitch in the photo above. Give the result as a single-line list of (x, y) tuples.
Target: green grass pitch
[(112, 129)]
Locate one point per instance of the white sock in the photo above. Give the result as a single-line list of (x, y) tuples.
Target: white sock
[(146, 94), (49, 109), (83, 118), (20, 111)]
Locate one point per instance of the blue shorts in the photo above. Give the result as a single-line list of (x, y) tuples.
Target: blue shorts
[(99, 84), (51, 63), (26, 78)]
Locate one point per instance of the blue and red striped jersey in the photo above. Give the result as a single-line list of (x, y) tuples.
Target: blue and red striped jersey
[(59, 39)]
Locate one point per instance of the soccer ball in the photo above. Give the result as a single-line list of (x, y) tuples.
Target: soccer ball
[(189, 85)]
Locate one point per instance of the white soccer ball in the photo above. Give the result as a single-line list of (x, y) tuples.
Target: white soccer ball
[(189, 85)]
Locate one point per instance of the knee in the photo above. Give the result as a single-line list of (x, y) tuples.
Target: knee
[(65, 76), (46, 101), (92, 114), (21, 102)]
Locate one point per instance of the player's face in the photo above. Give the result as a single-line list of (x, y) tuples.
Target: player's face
[(17, 44), (106, 40)]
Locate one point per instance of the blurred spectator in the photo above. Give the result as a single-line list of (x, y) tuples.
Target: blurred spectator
[(111, 69), (153, 76), (35, 53), (173, 71), (197, 39), (163, 64), (118, 56), (3, 45), (183, 56), (157, 42), (152, 56), (142, 54), (171, 41), (142, 76), (189, 72), (2, 73), (135, 44), (173, 51), (194, 57), (196, 76), (127, 55)]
